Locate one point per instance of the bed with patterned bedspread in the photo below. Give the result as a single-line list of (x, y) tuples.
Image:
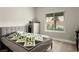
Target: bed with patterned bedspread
[(26, 42)]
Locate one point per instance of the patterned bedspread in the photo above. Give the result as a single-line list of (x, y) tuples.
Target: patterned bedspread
[(28, 41)]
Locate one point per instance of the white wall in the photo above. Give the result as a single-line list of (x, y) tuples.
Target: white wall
[(18, 16), (71, 21), (15, 16)]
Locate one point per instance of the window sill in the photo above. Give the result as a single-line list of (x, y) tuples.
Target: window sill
[(54, 31)]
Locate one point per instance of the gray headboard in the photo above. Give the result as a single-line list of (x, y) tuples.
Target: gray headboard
[(6, 30)]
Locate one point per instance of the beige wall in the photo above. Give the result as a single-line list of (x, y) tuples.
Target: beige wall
[(19, 16), (71, 21)]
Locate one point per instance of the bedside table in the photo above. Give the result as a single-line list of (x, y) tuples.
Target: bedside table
[(0, 42), (77, 32)]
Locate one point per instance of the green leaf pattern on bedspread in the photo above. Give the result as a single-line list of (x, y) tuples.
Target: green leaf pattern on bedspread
[(27, 38)]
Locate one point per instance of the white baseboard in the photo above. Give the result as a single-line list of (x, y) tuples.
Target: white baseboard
[(65, 40)]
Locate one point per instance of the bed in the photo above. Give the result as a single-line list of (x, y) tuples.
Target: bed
[(40, 45)]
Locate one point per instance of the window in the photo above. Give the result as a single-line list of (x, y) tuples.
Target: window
[(55, 21)]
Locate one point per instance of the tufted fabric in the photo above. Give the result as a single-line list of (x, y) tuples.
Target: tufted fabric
[(6, 30)]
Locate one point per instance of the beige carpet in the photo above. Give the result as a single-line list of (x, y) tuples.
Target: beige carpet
[(59, 46)]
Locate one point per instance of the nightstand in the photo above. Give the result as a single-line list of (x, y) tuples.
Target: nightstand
[(0, 42), (77, 32)]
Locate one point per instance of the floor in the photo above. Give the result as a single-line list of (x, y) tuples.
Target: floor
[(59, 46)]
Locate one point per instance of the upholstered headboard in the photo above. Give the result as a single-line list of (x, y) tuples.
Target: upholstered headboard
[(6, 30)]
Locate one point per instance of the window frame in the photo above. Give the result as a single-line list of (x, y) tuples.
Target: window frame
[(54, 30)]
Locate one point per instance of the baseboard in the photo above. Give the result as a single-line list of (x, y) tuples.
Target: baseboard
[(65, 40)]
